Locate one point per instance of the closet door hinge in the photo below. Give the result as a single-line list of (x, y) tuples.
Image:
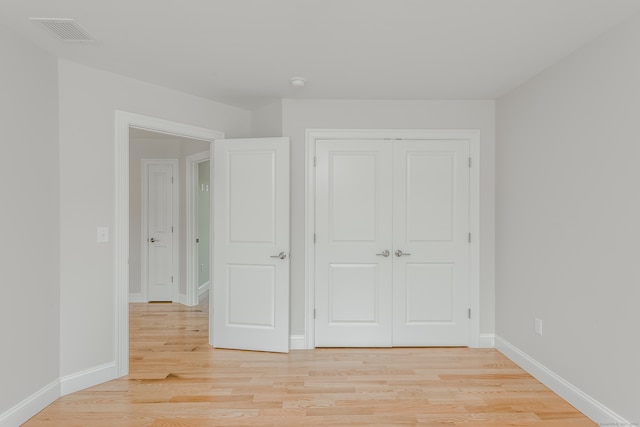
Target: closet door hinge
[(469, 313), (315, 161), (469, 237), (314, 313), (314, 238)]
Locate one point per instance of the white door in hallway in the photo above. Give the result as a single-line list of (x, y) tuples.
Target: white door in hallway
[(392, 250), (160, 198), (251, 244), (353, 243), (431, 243)]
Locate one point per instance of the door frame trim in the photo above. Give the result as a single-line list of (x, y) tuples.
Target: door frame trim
[(144, 225), (192, 286), (123, 122), (312, 135)]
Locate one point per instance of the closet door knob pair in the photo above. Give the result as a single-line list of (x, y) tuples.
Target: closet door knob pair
[(398, 253)]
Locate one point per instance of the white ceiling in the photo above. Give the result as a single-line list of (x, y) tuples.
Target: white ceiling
[(244, 52)]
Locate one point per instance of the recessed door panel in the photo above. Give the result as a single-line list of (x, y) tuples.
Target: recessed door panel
[(429, 297), (252, 202), (258, 282), (430, 196), (352, 196), (353, 293)]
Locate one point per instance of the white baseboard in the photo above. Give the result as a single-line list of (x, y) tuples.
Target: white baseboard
[(296, 342), (30, 406), (182, 299), (204, 288), (586, 404), (137, 298), (88, 378), (487, 341), (35, 403)]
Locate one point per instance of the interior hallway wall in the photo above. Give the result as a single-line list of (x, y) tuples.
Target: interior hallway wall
[(89, 99), (29, 222)]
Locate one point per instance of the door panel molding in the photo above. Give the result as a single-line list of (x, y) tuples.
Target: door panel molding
[(313, 135)]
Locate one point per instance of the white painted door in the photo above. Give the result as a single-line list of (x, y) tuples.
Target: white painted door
[(353, 243), (410, 198), (431, 243), (160, 195), (251, 244)]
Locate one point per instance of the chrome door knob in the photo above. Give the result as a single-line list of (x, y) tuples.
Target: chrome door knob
[(384, 253), (399, 253), (281, 255)]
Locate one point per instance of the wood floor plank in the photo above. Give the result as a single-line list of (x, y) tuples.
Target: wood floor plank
[(177, 379)]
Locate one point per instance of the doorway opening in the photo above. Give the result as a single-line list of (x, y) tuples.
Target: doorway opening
[(129, 128), (160, 216)]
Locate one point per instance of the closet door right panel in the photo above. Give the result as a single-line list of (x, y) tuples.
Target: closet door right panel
[(431, 243)]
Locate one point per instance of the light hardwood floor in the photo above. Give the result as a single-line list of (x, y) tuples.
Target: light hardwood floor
[(178, 380)]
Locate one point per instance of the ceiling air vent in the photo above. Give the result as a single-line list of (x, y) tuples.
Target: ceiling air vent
[(65, 29)]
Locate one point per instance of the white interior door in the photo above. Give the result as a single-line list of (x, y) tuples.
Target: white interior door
[(431, 243), (410, 198), (251, 244), (353, 243), (160, 194)]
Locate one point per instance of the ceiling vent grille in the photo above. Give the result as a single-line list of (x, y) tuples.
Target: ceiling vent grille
[(65, 29)]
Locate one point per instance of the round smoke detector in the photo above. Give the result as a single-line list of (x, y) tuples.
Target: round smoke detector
[(298, 82)]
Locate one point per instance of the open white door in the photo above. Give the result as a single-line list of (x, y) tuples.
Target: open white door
[(251, 244)]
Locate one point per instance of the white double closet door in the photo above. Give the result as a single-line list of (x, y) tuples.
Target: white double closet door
[(392, 243)]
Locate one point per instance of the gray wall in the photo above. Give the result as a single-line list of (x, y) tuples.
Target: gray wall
[(29, 221), (266, 121), (567, 214), (88, 101)]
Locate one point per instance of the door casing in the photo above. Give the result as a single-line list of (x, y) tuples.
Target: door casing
[(193, 290), (471, 135)]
